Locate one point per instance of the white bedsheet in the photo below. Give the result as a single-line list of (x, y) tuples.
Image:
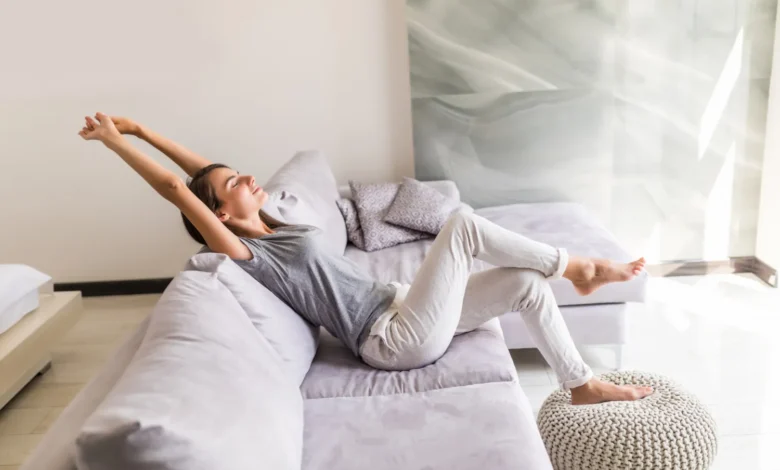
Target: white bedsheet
[(16, 311), (19, 286)]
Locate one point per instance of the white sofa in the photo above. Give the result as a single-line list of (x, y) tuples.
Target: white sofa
[(465, 411)]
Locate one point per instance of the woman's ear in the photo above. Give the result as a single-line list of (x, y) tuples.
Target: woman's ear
[(222, 216)]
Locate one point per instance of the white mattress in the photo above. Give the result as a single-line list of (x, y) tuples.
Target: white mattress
[(18, 309)]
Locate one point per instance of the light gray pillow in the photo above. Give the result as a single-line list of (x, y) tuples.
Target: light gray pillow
[(204, 391), (294, 339), (420, 207), (349, 212), (306, 194), (372, 202)]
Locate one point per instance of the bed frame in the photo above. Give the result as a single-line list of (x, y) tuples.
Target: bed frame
[(25, 347)]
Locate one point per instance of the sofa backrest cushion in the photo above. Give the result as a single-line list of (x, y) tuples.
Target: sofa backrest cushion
[(204, 390), (305, 192), (293, 339)]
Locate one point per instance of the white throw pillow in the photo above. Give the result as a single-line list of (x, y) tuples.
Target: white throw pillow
[(19, 286), (204, 391), (294, 339)]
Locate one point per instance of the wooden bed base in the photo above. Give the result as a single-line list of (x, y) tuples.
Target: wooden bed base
[(25, 347)]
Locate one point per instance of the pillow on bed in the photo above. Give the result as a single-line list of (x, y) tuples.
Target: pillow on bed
[(349, 212), (372, 202), (294, 339), (19, 286), (204, 391), (420, 207)]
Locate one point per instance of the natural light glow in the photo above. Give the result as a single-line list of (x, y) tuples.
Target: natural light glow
[(720, 96), (652, 248)]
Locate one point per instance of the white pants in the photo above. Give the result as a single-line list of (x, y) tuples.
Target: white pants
[(445, 299)]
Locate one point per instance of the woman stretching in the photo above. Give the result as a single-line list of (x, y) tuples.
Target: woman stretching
[(390, 327)]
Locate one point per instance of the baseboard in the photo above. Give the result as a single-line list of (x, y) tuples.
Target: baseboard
[(736, 265), (106, 288)]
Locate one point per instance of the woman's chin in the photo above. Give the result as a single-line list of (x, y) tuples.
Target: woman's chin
[(262, 199)]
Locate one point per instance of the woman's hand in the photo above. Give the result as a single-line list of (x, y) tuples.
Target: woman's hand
[(103, 129), (126, 125)]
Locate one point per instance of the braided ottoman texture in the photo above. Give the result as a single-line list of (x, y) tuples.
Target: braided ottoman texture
[(670, 429)]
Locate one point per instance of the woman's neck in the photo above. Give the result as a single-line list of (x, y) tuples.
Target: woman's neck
[(254, 228)]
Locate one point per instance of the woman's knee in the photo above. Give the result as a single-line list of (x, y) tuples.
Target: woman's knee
[(532, 287), (458, 219)]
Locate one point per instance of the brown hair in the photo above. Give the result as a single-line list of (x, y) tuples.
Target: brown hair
[(202, 188)]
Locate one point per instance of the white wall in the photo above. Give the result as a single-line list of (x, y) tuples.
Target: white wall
[(246, 83), (768, 240)]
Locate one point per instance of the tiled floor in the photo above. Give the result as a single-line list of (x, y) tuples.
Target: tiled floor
[(715, 335), (718, 337)]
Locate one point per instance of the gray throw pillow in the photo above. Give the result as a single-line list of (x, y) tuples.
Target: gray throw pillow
[(372, 202), (349, 212), (420, 207)]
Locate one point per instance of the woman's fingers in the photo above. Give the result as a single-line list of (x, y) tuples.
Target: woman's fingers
[(91, 124)]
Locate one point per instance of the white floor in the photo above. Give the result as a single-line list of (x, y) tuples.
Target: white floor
[(718, 336)]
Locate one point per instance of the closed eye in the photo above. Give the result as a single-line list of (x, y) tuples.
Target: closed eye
[(233, 178)]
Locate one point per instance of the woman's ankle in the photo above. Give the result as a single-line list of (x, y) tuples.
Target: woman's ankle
[(580, 269)]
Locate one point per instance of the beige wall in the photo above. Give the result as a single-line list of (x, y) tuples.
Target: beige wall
[(246, 83)]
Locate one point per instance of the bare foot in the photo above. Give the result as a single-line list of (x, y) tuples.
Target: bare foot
[(597, 391), (589, 274)]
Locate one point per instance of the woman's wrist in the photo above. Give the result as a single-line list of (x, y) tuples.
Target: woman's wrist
[(139, 131), (115, 141)]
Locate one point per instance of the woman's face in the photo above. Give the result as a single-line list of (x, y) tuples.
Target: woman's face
[(241, 197)]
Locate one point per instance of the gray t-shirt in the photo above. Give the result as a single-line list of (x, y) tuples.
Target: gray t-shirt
[(325, 288)]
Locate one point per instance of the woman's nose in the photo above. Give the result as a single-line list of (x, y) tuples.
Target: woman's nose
[(251, 181)]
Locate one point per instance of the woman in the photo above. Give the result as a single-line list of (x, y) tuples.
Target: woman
[(390, 327)]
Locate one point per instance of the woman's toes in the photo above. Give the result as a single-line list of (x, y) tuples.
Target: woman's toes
[(642, 392)]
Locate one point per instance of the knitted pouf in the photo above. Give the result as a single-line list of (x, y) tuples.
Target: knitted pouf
[(669, 429)]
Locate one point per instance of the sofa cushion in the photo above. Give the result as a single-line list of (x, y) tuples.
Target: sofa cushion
[(204, 390), (564, 225), (587, 324), (420, 207), (372, 202), (571, 226), (473, 358), (488, 426), (292, 338), (307, 194)]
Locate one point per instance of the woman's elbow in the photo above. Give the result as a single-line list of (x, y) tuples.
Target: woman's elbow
[(169, 188)]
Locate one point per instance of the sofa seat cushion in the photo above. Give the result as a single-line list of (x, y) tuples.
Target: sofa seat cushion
[(481, 426), (477, 357), (562, 225)]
